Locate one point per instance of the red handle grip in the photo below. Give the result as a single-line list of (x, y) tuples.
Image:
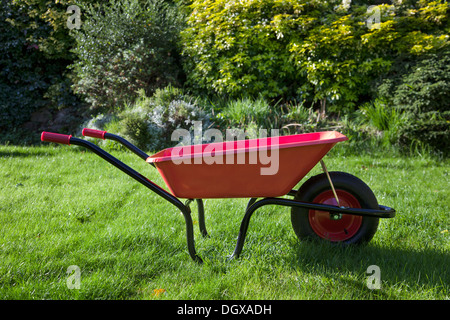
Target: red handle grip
[(55, 137), (94, 133)]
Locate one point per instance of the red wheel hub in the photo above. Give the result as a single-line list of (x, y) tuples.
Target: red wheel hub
[(335, 230)]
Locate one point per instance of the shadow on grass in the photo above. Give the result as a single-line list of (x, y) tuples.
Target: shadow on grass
[(426, 268), (24, 154), (38, 151)]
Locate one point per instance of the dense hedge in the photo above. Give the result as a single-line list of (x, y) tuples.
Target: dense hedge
[(422, 91), (34, 55), (29, 79), (125, 46), (315, 50), (329, 53)]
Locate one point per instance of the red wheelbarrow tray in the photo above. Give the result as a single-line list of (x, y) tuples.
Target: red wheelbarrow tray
[(229, 170)]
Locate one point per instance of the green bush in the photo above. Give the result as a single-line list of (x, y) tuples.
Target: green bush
[(422, 92), (125, 46), (243, 112), (150, 121), (387, 120), (321, 51), (259, 113), (231, 49), (30, 78), (45, 23)]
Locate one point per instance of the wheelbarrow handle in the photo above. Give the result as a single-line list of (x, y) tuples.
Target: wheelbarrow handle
[(56, 137), (185, 210), (93, 133)]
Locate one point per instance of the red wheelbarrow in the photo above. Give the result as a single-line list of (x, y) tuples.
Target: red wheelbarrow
[(332, 206)]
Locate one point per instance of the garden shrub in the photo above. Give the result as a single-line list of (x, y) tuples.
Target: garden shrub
[(422, 92), (387, 120), (231, 49), (34, 54), (150, 121), (319, 51), (125, 46), (34, 81), (243, 112), (45, 23), (259, 113)]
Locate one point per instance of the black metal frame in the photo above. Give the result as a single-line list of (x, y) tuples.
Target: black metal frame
[(252, 206)]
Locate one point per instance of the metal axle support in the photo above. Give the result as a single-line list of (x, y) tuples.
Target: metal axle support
[(253, 205), (324, 168)]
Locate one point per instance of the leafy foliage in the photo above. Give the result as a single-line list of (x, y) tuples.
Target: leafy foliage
[(422, 92), (315, 50), (34, 54), (256, 55), (125, 46), (231, 49), (45, 22), (254, 114), (150, 121), (386, 119), (23, 75)]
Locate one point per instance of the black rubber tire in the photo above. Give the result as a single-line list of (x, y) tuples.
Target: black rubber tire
[(341, 181)]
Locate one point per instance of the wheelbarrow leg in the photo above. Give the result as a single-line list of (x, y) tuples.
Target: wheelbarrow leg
[(190, 234), (249, 204), (201, 218), (244, 227), (251, 207)]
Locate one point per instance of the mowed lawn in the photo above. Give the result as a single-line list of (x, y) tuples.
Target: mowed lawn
[(63, 206)]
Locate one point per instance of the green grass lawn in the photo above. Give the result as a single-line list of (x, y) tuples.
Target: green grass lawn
[(61, 206)]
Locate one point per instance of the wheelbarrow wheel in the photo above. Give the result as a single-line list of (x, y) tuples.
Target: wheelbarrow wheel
[(347, 229)]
